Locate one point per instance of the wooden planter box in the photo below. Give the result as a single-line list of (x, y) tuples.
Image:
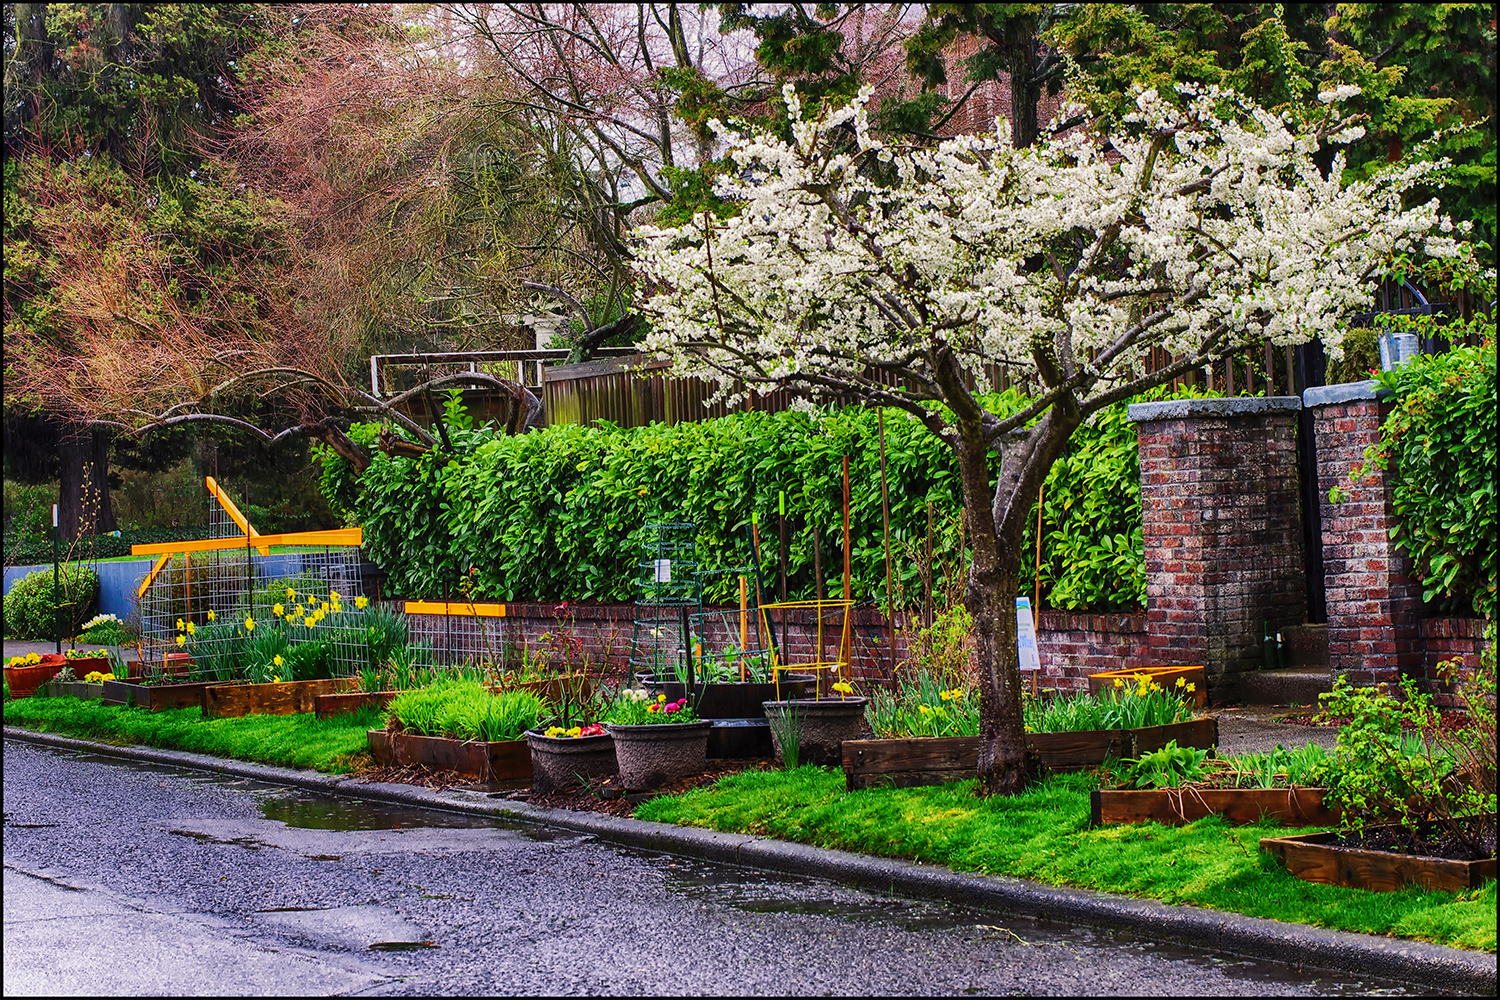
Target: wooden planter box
[(1312, 857), (908, 763), (1292, 806), (156, 697), (1200, 734), (289, 698), (325, 706), (509, 760), (75, 689), (1165, 676)]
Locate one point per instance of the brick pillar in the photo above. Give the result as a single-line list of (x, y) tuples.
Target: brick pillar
[(1373, 603), (1223, 530)]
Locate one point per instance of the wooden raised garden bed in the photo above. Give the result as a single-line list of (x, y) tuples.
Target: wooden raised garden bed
[(326, 706), (906, 763), (1315, 858), (189, 694), (287, 698), (1293, 806), (508, 760), (75, 689), (1166, 676)]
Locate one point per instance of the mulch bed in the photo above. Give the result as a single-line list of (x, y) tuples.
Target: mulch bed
[(1434, 843), (604, 796)]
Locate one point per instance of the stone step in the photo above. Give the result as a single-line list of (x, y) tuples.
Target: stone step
[(1305, 645), (1290, 686)]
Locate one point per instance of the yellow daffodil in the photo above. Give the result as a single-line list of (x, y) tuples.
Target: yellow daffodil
[(211, 615), (945, 696), (299, 610), (360, 602), (323, 607), (277, 660), (1191, 688), (249, 624), (308, 621), (843, 687), (191, 628), (275, 678), (291, 594), (334, 595), (1181, 681), (1119, 683), (924, 709), (181, 639), (179, 624), (279, 610)]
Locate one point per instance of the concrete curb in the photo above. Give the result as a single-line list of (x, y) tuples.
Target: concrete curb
[(1431, 966)]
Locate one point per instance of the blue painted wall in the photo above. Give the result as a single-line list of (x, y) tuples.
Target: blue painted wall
[(118, 581)]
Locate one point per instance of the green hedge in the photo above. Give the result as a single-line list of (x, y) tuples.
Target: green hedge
[(1440, 438), (30, 606), (29, 550), (556, 514)]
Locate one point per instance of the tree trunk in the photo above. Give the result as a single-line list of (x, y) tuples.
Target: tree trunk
[(27, 66), (990, 596), (1025, 92), (83, 505)]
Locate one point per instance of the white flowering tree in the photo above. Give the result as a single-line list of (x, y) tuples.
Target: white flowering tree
[(897, 274)]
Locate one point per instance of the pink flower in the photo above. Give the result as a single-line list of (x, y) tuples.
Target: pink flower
[(674, 707)]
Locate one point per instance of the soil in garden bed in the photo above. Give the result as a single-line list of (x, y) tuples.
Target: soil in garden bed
[(1448, 721), (1434, 843)]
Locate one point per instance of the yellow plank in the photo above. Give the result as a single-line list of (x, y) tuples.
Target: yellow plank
[(146, 583), (455, 608), (234, 512), (337, 536)]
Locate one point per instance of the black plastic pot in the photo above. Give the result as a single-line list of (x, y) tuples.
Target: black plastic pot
[(734, 700)]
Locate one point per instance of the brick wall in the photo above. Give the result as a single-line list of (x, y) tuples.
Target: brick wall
[(1071, 646), (1222, 523), (1448, 639), (1374, 605)]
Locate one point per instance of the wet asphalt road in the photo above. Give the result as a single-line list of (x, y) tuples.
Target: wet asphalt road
[(126, 878)]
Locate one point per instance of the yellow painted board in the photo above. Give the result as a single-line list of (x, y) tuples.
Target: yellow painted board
[(455, 608), (338, 536), (146, 583)]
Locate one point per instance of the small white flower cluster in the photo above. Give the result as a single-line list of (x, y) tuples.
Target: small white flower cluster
[(635, 694), (99, 620), (1206, 227)]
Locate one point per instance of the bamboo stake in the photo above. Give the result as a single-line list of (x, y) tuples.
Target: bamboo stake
[(744, 623), (885, 521), (1036, 592)]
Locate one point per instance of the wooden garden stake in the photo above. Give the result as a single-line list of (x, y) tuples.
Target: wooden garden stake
[(885, 523), (848, 589), (817, 561), (1036, 592)]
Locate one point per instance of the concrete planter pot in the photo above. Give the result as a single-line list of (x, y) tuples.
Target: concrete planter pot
[(651, 756), (559, 762), (824, 725)]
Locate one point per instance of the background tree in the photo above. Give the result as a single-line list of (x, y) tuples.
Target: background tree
[(896, 274)]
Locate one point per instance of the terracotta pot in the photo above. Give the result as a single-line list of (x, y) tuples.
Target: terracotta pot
[(651, 756), (824, 724), (25, 680), (561, 761)]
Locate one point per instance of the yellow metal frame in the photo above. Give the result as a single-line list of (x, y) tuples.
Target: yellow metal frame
[(455, 608), (234, 512), (818, 608)]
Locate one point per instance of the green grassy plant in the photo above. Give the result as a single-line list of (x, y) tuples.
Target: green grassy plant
[(461, 709), (337, 745), (921, 706), (1043, 834)]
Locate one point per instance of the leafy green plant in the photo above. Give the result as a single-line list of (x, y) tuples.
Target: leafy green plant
[(921, 706), (31, 606), (1299, 767), (1439, 443), (1395, 759), (1170, 767)]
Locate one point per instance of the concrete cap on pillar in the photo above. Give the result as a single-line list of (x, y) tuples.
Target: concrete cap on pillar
[(1232, 406)]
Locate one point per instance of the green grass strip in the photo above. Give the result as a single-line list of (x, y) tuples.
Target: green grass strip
[(335, 746), (1044, 835)]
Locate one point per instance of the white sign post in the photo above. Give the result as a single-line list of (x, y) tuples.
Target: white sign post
[(1026, 639)]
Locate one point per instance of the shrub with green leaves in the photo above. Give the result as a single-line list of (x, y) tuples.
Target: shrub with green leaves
[(557, 514), (1439, 439), (31, 605)]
